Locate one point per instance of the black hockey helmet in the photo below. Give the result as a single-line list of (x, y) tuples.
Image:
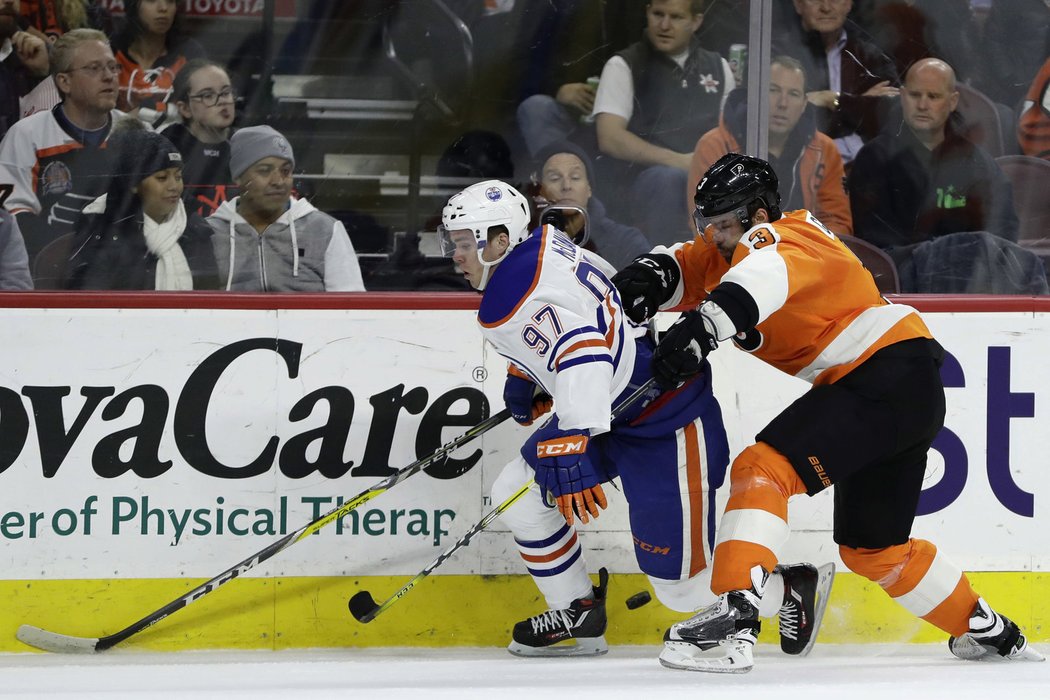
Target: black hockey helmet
[(737, 183)]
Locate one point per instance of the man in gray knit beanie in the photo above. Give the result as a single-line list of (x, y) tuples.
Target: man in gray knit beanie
[(265, 240), (250, 145)]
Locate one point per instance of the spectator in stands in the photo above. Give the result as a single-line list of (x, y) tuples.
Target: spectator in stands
[(848, 78), (806, 161), (572, 45), (56, 160), (24, 63), (564, 177), (53, 18), (138, 235), (921, 180), (655, 99), (909, 30), (151, 50), (267, 241), (1033, 126), (1013, 42), (206, 102), (14, 263), (50, 19)]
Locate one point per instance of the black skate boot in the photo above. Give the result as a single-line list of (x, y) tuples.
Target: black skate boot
[(583, 622), (992, 637), (806, 590), (720, 638)]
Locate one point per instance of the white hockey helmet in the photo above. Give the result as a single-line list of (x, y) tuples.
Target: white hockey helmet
[(482, 206)]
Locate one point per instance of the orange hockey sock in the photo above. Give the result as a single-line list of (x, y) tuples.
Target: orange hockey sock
[(921, 579), (754, 526)]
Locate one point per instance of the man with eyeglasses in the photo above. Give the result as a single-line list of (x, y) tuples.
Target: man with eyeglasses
[(56, 161), (851, 82)]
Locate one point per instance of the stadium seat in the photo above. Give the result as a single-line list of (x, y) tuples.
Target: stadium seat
[(877, 262), (981, 121), (1030, 178), (49, 265)]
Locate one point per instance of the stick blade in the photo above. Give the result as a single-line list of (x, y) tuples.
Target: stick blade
[(363, 606), (54, 642)]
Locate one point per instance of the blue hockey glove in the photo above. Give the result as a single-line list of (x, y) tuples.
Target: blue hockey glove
[(645, 284), (565, 471), (681, 352), (525, 400)]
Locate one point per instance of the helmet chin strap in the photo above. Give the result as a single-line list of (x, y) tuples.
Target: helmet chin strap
[(487, 268)]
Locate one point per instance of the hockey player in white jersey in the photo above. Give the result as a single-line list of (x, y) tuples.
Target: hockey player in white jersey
[(549, 308)]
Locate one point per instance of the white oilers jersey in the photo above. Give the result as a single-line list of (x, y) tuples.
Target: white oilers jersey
[(551, 310)]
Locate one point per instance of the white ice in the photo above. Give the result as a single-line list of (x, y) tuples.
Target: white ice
[(845, 672)]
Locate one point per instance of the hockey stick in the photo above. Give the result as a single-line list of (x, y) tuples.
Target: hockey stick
[(364, 607), (63, 643)]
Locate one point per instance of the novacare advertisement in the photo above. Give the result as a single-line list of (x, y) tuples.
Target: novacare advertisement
[(160, 443)]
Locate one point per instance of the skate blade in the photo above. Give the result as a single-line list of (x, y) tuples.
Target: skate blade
[(1029, 654), (825, 578), (590, 646), (730, 656), (971, 650)]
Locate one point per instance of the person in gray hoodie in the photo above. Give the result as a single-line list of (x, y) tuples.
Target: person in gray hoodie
[(14, 262), (267, 241)]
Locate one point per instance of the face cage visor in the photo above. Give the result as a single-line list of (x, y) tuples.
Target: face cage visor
[(463, 243), (459, 242), (707, 225), (558, 215)]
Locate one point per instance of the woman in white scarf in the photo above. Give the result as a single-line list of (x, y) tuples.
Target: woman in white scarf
[(138, 235)]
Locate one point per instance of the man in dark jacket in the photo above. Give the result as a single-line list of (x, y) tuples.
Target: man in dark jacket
[(922, 180), (848, 78), (564, 174), (655, 99)]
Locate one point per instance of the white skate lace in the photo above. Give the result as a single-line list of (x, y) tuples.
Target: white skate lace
[(789, 621), (552, 619)]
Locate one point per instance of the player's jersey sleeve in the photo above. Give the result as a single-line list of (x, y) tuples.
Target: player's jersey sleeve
[(581, 366), (17, 160), (552, 311), (701, 267), (800, 300)]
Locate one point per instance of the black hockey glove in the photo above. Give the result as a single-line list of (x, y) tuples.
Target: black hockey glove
[(680, 354), (645, 284)]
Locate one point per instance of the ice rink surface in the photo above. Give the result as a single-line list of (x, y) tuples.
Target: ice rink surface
[(846, 672)]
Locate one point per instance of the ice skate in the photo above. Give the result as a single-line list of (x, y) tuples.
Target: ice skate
[(806, 591), (721, 637), (992, 637), (578, 630)]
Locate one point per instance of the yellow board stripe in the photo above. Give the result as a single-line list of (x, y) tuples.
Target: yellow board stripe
[(299, 612)]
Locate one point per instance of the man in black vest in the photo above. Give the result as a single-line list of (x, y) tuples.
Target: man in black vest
[(655, 99)]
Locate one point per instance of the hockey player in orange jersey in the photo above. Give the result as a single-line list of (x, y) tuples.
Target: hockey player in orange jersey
[(785, 289)]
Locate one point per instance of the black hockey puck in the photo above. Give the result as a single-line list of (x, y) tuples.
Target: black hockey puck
[(638, 600)]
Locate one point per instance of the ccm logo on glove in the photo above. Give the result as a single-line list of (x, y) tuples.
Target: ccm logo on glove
[(569, 445)]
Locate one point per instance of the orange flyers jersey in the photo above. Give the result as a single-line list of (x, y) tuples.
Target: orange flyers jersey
[(819, 311), (145, 87)]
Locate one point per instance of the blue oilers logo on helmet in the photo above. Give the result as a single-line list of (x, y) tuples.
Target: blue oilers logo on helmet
[(494, 194)]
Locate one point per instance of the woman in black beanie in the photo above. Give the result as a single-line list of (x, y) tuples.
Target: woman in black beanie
[(138, 235)]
